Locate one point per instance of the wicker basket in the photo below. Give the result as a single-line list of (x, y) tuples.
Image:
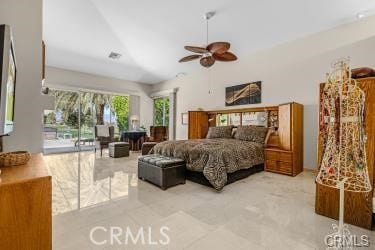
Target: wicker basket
[(14, 158)]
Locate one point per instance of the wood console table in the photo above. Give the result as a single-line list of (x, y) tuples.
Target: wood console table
[(26, 206)]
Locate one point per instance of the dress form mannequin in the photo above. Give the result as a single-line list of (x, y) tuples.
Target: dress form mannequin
[(343, 164)]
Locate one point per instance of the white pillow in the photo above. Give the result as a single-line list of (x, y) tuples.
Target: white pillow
[(102, 130)]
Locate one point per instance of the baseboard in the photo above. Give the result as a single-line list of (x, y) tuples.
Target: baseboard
[(310, 170)]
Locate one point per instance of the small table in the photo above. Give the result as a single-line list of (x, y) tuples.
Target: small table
[(135, 139)]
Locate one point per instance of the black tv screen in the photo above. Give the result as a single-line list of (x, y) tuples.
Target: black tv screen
[(8, 72)]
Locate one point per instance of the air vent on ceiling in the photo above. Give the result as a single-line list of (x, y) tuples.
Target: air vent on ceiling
[(114, 55)]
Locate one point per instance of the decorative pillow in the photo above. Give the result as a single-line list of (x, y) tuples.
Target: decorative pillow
[(219, 132), (251, 133), (362, 72)]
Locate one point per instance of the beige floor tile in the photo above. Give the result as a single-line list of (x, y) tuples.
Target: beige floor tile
[(263, 211), (144, 215), (223, 239)]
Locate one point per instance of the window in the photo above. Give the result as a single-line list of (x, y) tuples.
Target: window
[(120, 113), (161, 111)]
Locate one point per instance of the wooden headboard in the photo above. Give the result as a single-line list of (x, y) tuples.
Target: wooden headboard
[(212, 115), (200, 121)]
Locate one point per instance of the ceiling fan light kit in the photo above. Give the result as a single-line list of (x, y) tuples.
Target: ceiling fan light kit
[(217, 51)]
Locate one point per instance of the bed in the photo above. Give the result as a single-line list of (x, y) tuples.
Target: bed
[(220, 160)]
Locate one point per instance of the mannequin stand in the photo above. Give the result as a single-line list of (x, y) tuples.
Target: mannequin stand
[(341, 237)]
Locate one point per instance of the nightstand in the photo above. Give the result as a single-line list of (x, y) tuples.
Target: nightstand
[(279, 161)]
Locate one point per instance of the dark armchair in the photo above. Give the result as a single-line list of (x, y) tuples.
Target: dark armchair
[(158, 134), (103, 142)]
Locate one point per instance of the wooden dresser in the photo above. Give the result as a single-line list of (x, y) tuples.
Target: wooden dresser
[(287, 157), (26, 206)]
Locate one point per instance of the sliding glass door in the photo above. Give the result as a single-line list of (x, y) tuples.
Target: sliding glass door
[(70, 127), (83, 178), (86, 134), (61, 125)]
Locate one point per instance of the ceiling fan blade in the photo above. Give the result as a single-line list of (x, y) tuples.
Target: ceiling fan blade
[(225, 57), (218, 47), (196, 49), (189, 58), (207, 61)]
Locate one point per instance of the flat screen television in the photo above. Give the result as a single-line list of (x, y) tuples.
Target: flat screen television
[(8, 72)]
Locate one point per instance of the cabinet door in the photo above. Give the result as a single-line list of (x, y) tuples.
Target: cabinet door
[(285, 126), (194, 125), (198, 124), (26, 215)]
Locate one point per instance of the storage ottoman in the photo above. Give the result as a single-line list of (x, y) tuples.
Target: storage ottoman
[(118, 149), (162, 171)]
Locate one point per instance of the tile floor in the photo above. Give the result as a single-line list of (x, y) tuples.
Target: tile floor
[(263, 211)]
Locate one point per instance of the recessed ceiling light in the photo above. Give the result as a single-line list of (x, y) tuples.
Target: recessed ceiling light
[(114, 55), (360, 15), (180, 74)]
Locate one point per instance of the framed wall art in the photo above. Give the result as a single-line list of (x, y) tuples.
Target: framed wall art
[(249, 93)]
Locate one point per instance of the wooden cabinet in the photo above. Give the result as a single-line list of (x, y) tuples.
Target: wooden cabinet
[(198, 124), (287, 157), (26, 206), (358, 206), (279, 161)]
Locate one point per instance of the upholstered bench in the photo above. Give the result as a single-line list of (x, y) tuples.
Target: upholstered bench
[(162, 171), (118, 149)]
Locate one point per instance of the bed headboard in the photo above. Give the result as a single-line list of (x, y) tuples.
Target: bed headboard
[(200, 121), (260, 116), (277, 117)]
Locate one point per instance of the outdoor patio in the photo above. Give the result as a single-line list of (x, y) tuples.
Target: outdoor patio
[(54, 146)]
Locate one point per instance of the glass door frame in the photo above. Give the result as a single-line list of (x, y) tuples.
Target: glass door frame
[(79, 91), (79, 150)]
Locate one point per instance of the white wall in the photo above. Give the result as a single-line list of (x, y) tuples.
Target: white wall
[(25, 18), (74, 80), (289, 72)]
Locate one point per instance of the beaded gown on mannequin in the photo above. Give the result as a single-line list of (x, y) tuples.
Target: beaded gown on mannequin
[(344, 157)]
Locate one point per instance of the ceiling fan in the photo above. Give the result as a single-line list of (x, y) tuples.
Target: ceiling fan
[(217, 51)]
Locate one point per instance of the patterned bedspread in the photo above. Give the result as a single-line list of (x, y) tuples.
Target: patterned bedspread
[(214, 157)]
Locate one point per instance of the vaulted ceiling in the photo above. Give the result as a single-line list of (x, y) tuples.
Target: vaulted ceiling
[(150, 34)]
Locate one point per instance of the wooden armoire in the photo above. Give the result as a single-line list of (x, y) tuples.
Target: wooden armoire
[(285, 154), (358, 206)]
